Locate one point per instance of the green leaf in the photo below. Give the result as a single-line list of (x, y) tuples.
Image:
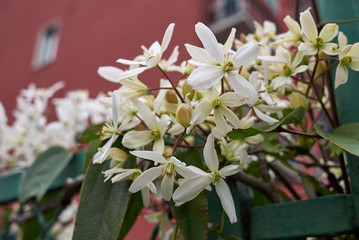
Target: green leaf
[(91, 133), (192, 217), (102, 206), (294, 116), (91, 151), (345, 137), (231, 238), (335, 151), (43, 172), (191, 157), (271, 144), (134, 208)]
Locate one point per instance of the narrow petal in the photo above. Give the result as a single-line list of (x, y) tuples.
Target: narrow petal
[(307, 48), (265, 117), (341, 75), (354, 64), (246, 54), (145, 113), (201, 112), (292, 25), (136, 139), (110, 73), (228, 44), (130, 62), (210, 154), (232, 99), (308, 25), (145, 178), (342, 40), (150, 155), (279, 81), (231, 116), (131, 73), (200, 54), (221, 122), (209, 42), (229, 170), (300, 69), (205, 77), (190, 189), (145, 193), (167, 187), (328, 32), (243, 87), (225, 196), (274, 59), (330, 48), (167, 37), (159, 145)]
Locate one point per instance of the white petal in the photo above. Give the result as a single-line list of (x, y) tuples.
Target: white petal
[(209, 42), (279, 81), (330, 48), (150, 155), (243, 87), (274, 59), (205, 77), (228, 45), (328, 32), (145, 193), (210, 154), (232, 99), (307, 48), (231, 117), (300, 69), (221, 122), (167, 37), (246, 54), (132, 73), (190, 189), (167, 187), (342, 40), (145, 113), (136, 139), (265, 117), (292, 25), (308, 25), (130, 62), (201, 112), (341, 75), (110, 73), (159, 145), (229, 170), (225, 196), (200, 54), (145, 178)]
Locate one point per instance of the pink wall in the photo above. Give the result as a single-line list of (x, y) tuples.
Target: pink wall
[(93, 33)]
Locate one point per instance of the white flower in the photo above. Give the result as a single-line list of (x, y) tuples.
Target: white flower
[(348, 57), (193, 186), (315, 42), (219, 105), (216, 62), (151, 57), (157, 128), (167, 170)]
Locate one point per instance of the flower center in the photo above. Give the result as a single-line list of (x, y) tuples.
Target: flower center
[(216, 103), (346, 60), (108, 130), (287, 71), (216, 176), (170, 169), (155, 133), (228, 66), (318, 42)]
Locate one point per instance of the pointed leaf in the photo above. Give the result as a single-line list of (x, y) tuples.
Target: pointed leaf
[(43, 173), (345, 137)]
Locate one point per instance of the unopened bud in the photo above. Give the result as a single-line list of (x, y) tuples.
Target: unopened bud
[(118, 156), (187, 89), (184, 115), (171, 97)]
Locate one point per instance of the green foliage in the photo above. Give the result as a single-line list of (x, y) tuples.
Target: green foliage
[(102, 206), (91, 133), (270, 143), (345, 137), (91, 151), (43, 173), (192, 217), (191, 157)]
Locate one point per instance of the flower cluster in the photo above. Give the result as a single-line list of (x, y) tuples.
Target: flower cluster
[(224, 87), (33, 131)]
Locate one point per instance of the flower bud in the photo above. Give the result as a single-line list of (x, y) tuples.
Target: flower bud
[(171, 97), (184, 115), (187, 89), (118, 157)]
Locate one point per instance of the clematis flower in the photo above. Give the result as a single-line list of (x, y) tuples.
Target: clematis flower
[(315, 42), (219, 105), (215, 62), (167, 170), (151, 57), (348, 57), (157, 128), (193, 186)]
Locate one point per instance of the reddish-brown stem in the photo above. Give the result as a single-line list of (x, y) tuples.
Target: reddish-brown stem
[(178, 141), (173, 85)]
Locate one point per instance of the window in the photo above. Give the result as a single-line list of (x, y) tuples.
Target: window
[(46, 46)]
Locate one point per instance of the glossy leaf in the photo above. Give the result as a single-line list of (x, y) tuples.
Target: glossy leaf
[(192, 217), (43, 172), (102, 206), (243, 133), (91, 151), (345, 137)]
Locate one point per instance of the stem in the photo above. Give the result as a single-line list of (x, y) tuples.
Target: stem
[(281, 129), (178, 141), (338, 21), (173, 86), (174, 234)]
